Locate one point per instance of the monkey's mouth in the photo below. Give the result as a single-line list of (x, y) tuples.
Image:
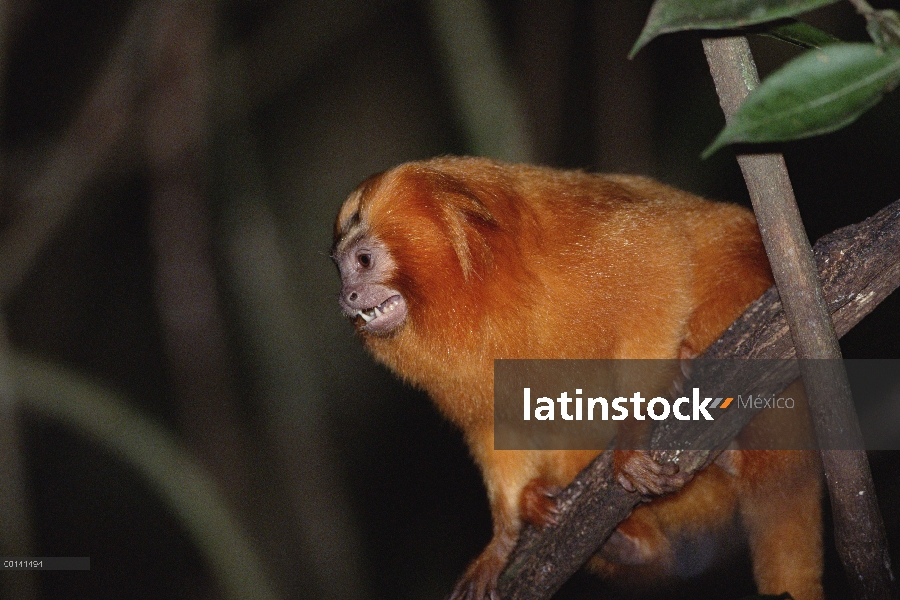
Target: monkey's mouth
[(384, 317)]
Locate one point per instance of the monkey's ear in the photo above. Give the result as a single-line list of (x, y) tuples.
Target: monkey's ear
[(467, 220)]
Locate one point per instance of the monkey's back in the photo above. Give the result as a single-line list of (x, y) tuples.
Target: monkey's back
[(629, 267)]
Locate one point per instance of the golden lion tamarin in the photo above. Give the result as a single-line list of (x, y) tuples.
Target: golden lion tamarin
[(449, 263)]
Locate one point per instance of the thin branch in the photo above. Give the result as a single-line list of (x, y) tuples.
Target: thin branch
[(74, 161), (860, 535), (175, 137), (15, 533), (859, 266), (481, 84), (321, 536)]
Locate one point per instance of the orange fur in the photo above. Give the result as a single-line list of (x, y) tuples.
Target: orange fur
[(498, 260)]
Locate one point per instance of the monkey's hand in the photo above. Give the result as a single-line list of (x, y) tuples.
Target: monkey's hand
[(638, 471), (538, 503)]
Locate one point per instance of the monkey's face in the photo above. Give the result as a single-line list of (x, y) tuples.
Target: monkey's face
[(412, 251), (366, 296)]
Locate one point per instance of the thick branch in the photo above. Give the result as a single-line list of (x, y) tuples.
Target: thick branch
[(859, 266)]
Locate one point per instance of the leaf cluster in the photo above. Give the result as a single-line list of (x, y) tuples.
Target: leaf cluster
[(824, 89)]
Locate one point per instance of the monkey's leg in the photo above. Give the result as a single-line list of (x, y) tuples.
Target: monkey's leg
[(780, 505), (638, 540), (480, 579), (506, 473)]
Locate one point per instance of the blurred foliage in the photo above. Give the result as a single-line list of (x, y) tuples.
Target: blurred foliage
[(346, 483)]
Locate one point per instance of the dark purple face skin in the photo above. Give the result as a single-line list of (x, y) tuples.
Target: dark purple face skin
[(365, 264)]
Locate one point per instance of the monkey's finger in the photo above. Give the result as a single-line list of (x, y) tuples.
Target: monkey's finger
[(625, 482)]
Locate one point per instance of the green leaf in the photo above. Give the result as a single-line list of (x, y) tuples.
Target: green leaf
[(667, 16), (817, 92), (799, 33)]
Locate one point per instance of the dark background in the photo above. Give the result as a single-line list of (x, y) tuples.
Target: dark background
[(170, 174)]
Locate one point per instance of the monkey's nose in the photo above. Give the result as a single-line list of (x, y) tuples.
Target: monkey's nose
[(352, 297)]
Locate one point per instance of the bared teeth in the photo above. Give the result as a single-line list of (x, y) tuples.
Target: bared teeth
[(370, 314)]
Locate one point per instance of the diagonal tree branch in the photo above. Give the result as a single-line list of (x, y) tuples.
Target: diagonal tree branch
[(859, 266)]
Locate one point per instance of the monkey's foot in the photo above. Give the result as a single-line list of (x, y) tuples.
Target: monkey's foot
[(538, 503), (637, 471), (479, 582)]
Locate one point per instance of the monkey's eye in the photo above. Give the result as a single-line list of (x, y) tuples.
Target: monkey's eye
[(364, 259)]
